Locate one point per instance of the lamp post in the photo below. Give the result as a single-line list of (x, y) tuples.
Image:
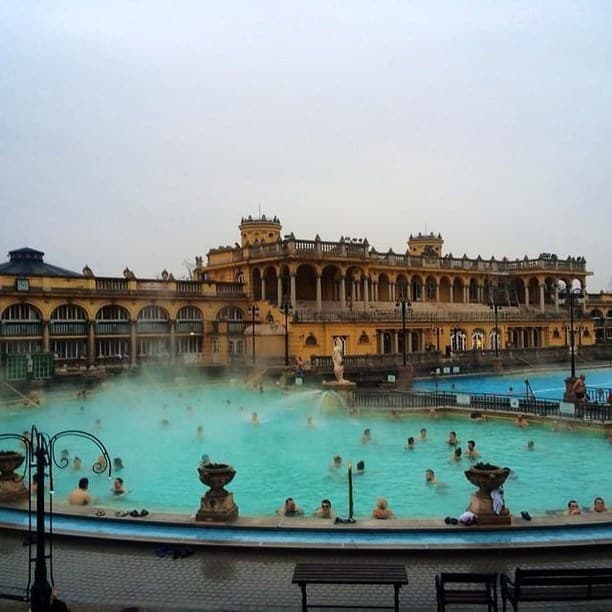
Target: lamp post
[(403, 302), (286, 309), (254, 313), (455, 339), (437, 330), (571, 295), (495, 307), (40, 454)]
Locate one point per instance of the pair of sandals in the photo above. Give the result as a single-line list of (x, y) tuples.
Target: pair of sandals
[(175, 553), (450, 520), (526, 515), (134, 513)]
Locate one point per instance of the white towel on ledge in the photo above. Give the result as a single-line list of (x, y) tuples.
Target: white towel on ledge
[(497, 498)]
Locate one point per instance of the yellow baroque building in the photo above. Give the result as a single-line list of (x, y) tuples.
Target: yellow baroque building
[(274, 298), (381, 303), (83, 320)]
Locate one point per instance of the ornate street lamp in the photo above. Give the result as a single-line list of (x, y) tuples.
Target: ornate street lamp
[(40, 455), (455, 339), (286, 309), (403, 302), (495, 307), (254, 313), (571, 295), (437, 332)]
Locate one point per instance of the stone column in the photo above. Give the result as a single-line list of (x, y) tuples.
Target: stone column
[(392, 292), (293, 293), (526, 294), (437, 291), (452, 287), (46, 336), (366, 292), (395, 341), (319, 305), (353, 292), (172, 341), (133, 344), (343, 292), (91, 343), (263, 288), (556, 295), (279, 291)]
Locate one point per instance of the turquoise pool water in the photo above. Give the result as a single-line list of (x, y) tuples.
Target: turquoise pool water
[(545, 385), (284, 456)]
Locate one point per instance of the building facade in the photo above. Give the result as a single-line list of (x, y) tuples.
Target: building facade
[(386, 302), (274, 297)]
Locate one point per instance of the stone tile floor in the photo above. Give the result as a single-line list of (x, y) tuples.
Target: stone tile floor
[(103, 576)]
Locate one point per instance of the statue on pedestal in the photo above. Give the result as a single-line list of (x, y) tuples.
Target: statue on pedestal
[(338, 360)]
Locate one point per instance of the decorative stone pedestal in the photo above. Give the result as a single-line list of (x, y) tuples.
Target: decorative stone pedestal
[(486, 479), (12, 487), (568, 394), (217, 504), (344, 389)]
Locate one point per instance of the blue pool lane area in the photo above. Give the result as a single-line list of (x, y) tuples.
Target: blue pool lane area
[(334, 537), (545, 385)]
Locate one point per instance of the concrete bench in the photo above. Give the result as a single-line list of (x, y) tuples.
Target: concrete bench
[(564, 584), (392, 574)]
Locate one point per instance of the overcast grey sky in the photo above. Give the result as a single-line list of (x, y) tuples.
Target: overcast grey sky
[(139, 133)]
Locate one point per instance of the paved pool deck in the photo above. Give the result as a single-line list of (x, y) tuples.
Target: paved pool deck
[(109, 576)]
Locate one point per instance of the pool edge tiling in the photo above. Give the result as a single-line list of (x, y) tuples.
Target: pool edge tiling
[(400, 534)]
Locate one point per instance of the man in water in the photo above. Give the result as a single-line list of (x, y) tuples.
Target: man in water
[(325, 510), (118, 488), (290, 508), (471, 451), (80, 496)]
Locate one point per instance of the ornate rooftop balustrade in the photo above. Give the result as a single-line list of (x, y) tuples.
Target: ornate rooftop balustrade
[(360, 250)]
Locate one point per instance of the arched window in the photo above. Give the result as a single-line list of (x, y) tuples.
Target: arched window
[(311, 340)]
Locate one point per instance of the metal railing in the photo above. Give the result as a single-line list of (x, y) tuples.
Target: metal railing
[(481, 402), (68, 328), (20, 328)]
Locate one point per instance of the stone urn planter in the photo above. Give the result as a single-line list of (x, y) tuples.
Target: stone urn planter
[(487, 478), (12, 486), (218, 503)]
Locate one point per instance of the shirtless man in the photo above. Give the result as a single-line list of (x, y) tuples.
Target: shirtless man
[(471, 451), (118, 488), (579, 389), (382, 510), (325, 510), (290, 508), (80, 496)]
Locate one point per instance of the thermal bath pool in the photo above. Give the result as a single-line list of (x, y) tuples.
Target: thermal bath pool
[(154, 431)]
